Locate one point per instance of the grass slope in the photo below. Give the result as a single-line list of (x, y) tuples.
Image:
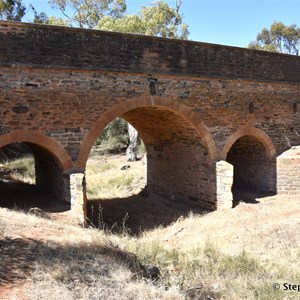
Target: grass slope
[(229, 254), (236, 254)]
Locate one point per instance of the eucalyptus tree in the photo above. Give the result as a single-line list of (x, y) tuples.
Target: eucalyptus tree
[(87, 13), (158, 19), (12, 10), (279, 38)]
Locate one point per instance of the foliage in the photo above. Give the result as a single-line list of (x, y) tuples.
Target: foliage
[(116, 132), (279, 38), (115, 137), (128, 23), (159, 19), (57, 21), (12, 10), (87, 13), (42, 18)]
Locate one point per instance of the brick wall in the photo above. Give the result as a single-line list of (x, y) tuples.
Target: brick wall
[(49, 174), (177, 162), (59, 88), (40, 45), (253, 170), (64, 107)]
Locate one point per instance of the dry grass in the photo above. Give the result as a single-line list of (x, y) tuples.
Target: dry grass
[(21, 169), (49, 260), (230, 254), (237, 254), (106, 180)]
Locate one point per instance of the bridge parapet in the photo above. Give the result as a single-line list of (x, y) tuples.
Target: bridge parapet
[(33, 45)]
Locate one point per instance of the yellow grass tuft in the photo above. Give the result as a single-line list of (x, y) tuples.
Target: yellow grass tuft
[(22, 169), (106, 180)]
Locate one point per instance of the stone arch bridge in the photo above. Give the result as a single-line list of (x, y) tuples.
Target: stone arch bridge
[(213, 118)]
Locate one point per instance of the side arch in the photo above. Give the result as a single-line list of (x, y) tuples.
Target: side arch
[(252, 131), (39, 139), (146, 101)]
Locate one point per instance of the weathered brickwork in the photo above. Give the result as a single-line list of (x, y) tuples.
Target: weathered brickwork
[(78, 196), (253, 170), (288, 172), (194, 104), (224, 173), (49, 173), (95, 50)]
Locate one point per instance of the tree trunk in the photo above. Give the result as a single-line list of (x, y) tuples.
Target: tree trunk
[(131, 151)]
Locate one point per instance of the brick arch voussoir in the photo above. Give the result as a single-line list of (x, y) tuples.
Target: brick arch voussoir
[(144, 101), (39, 139), (252, 131)]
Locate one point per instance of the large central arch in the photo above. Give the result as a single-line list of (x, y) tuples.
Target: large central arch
[(180, 149), (146, 101)]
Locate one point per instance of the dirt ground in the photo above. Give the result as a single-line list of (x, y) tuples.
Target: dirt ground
[(145, 210), (226, 225)]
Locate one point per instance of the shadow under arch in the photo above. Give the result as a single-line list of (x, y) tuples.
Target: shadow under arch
[(180, 171), (146, 101), (252, 131), (50, 162), (37, 138), (253, 156)]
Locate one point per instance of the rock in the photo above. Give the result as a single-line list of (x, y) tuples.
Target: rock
[(38, 212), (151, 272), (126, 167)]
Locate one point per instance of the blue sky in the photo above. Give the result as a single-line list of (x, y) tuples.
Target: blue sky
[(226, 22)]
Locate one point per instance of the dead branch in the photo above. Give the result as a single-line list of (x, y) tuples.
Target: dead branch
[(173, 234)]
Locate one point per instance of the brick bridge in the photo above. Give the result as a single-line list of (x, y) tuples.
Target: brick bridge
[(212, 117)]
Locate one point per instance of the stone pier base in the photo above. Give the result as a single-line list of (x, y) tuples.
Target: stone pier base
[(224, 172), (78, 196)]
